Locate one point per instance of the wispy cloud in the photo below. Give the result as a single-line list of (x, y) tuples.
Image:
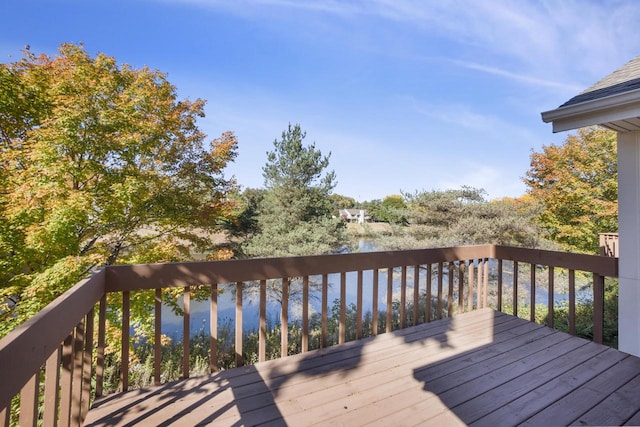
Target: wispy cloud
[(568, 87), (532, 42)]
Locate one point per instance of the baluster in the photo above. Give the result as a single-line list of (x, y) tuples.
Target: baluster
[(157, 337), (427, 311), (440, 278), (5, 416), (262, 338), (284, 319), (239, 358), (461, 266), (343, 307), (102, 326), (29, 401), (450, 295), (51, 388), (499, 285), (532, 303), (515, 288), (213, 329), (87, 368), (403, 297), (186, 331), (65, 380), (359, 307), (124, 370), (471, 290), (572, 302), (374, 303), (486, 282), (550, 313), (305, 314), (389, 299), (325, 286), (416, 293), (598, 308), (480, 282)]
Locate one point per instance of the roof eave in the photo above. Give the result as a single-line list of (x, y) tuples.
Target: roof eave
[(595, 112)]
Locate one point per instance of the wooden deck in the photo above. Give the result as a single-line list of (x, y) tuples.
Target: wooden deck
[(480, 368)]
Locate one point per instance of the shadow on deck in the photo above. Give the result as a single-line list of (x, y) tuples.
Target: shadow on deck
[(482, 367)]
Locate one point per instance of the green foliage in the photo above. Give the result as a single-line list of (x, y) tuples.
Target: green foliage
[(341, 202), (295, 214), (464, 217), (391, 210), (98, 162), (577, 184)]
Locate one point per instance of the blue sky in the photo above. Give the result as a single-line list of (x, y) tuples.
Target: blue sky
[(406, 95)]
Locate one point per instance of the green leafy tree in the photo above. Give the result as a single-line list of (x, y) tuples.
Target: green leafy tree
[(342, 202), (99, 163), (465, 217), (296, 216), (577, 183), (392, 209)]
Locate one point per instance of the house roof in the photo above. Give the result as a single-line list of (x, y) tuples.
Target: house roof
[(612, 102)]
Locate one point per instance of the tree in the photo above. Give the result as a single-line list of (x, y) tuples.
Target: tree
[(295, 216), (577, 182), (464, 217), (391, 210), (342, 202), (99, 163)]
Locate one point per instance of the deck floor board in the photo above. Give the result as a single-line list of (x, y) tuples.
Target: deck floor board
[(483, 367)]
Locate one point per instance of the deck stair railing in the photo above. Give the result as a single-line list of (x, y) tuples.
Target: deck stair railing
[(54, 364)]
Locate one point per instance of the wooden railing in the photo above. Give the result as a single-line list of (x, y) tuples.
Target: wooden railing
[(55, 362), (609, 244)]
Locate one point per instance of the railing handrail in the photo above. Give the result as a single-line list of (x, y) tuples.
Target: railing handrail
[(25, 349), (604, 266)]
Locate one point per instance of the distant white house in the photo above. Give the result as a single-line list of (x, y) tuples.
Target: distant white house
[(354, 215)]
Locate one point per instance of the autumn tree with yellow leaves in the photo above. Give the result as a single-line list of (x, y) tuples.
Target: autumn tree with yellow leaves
[(100, 163)]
